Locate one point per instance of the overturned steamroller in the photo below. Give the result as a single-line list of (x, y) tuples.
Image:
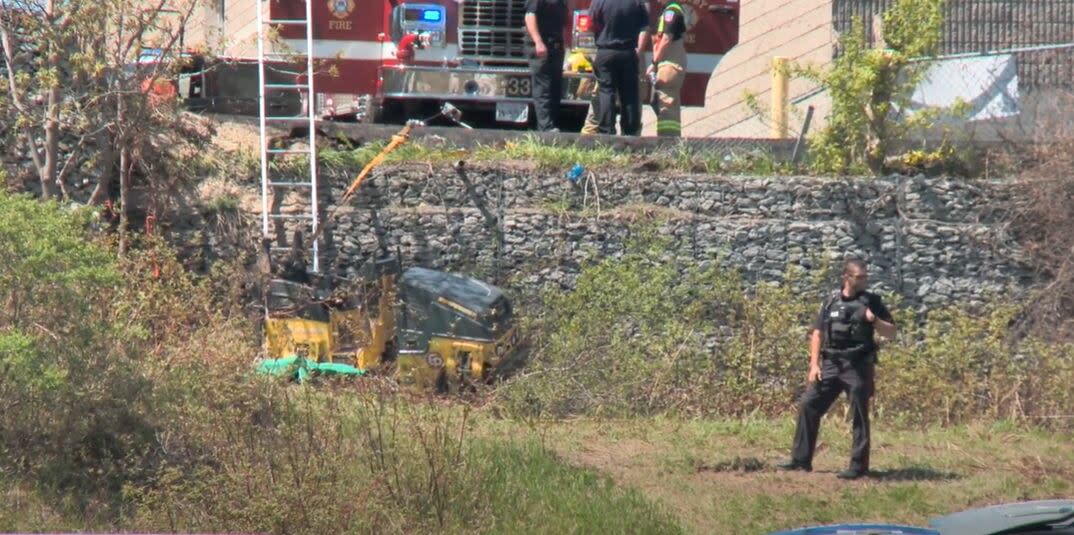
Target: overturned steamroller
[(429, 329)]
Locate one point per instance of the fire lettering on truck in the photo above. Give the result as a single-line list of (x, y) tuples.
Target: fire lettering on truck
[(341, 9)]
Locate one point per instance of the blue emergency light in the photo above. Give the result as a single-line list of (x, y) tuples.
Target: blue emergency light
[(431, 15)]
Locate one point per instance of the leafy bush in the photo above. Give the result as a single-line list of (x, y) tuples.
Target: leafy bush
[(962, 367), (634, 337), (74, 414), (870, 90), (302, 460), (91, 347), (131, 405)]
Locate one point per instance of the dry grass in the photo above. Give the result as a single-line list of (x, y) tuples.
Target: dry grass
[(718, 476), (1041, 220)]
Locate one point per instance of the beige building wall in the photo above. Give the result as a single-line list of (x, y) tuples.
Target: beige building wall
[(798, 29), (196, 32), (235, 35), (202, 31), (240, 28)]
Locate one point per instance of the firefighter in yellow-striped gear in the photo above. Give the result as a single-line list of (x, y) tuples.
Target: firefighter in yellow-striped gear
[(669, 65), (578, 61)]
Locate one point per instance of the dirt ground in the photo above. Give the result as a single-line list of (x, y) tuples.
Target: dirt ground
[(719, 477)]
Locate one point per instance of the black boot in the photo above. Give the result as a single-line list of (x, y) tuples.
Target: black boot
[(795, 465), (852, 473)]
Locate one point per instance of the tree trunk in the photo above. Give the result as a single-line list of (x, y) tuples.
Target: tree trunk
[(106, 169), (124, 195), (52, 143), (52, 122), (28, 134)]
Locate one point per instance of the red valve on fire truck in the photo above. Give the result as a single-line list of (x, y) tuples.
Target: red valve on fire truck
[(407, 46)]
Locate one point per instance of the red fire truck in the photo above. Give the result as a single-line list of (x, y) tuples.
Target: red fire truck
[(391, 60)]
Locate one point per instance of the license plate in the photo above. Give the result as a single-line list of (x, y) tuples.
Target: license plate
[(513, 112)]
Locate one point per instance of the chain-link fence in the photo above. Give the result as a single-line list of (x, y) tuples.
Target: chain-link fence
[(1006, 65), (1011, 94)]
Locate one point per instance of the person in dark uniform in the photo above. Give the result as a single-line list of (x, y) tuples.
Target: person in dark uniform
[(842, 358), (622, 29), (545, 20)]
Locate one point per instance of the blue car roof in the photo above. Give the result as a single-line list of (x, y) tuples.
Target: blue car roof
[(990, 520), (1001, 518), (860, 529)]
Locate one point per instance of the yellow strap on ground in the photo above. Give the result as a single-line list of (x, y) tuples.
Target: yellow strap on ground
[(397, 140)]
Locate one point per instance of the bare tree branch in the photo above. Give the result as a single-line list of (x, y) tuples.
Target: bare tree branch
[(71, 158), (84, 64), (16, 95)]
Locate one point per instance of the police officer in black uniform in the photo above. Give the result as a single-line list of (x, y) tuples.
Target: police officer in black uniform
[(842, 357), (545, 20), (622, 29)]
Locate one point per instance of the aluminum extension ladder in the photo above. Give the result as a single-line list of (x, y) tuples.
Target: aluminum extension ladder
[(268, 184)]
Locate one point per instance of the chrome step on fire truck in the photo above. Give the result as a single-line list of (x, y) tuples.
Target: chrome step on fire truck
[(390, 60)]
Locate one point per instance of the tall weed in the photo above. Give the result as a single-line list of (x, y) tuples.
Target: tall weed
[(131, 404), (640, 336)]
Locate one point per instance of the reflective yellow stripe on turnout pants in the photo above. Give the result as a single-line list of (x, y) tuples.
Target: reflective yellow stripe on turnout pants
[(669, 80), (670, 75)]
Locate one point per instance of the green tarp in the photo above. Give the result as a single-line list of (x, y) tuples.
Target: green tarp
[(300, 368)]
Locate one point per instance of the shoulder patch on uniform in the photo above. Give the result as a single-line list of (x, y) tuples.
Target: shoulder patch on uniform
[(669, 16)]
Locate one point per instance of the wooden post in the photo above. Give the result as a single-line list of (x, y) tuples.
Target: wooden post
[(780, 99)]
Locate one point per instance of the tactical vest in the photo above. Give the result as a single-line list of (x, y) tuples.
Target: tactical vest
[(846, 333)]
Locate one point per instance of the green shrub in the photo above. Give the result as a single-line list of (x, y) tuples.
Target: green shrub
[(870, 89), (131, 405), (631, 340), (74, 413), (962, 367), (86, 343), (305, 460)]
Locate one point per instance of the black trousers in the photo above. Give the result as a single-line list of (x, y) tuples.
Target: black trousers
[(617, 74), (547, 85), (837, 376)]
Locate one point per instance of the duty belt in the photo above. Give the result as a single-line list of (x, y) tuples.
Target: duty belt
[(850, 353)]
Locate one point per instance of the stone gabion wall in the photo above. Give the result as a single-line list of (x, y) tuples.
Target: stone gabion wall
[(929, 241)]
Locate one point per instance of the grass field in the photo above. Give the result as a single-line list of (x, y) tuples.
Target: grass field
[(719, 476), (664, 475)]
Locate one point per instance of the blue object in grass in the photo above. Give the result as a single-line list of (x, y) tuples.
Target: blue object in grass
[(575, 173)]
